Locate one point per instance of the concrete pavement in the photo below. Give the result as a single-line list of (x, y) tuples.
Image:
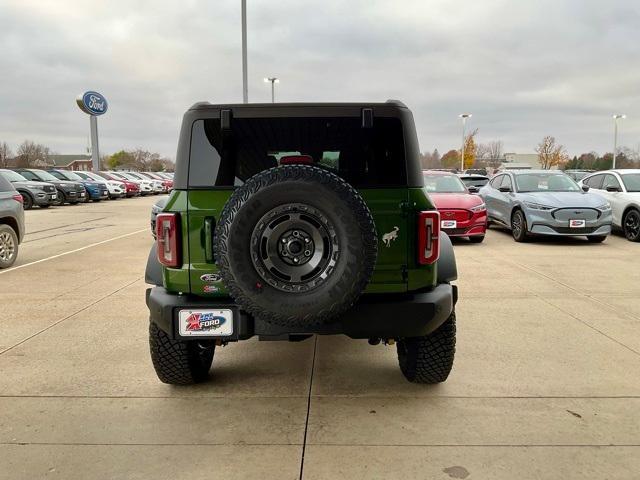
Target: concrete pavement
[(545, 383)]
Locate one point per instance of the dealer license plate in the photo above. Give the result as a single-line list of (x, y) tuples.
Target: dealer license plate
[(194, 323), (577, 223), (448, 224)]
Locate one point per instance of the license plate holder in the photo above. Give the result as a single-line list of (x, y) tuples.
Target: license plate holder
[(209, 322), (577, 223), (448, 224)]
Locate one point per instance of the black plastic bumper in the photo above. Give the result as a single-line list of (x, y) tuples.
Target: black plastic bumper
[(374, 316)]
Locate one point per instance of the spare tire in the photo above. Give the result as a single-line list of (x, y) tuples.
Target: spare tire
[(295, 245)]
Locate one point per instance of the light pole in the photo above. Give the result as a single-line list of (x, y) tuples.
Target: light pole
[(464, 117), (245, 88), (615, 136), (273, 81)]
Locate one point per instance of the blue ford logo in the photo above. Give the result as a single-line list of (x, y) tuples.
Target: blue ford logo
[(92, 103)]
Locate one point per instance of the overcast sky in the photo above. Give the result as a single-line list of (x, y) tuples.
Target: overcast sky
[(525, 68)]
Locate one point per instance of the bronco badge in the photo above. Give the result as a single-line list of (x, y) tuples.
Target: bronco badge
[(389, 237)]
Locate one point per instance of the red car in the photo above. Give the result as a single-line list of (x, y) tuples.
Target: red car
[(131, 189), (462, 214)]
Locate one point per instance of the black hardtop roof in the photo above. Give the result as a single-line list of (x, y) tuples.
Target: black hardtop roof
[(279, 106)]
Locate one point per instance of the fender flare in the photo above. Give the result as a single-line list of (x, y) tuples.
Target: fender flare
[(153, 272), (447, 270)]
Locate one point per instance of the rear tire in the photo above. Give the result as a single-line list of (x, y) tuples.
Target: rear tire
[(596, 239), (519, 226), (429, 359), (631, 225), (179, 362), (27, 201), (8, 246), (476, 239)]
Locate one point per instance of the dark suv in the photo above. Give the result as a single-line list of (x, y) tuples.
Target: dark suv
[(11, 223), (290, 220)]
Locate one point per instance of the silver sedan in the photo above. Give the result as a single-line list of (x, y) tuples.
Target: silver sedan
[(546, 202)]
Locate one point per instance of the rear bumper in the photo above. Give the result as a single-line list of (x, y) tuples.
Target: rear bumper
[(374, 316)]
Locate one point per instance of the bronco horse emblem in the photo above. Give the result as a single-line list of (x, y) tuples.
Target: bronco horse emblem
[(387, 238)]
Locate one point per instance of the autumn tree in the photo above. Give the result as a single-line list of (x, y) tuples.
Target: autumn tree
[(550, 153), (451, 159), (470, 149), (5, 154)]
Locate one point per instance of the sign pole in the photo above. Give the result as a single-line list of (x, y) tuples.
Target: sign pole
[(95, 152)]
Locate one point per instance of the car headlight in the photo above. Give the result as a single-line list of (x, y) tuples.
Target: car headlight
[(537, 206), (479, 208), (605, 207)]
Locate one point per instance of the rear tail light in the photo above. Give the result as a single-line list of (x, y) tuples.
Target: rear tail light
[(167, 234), (18, 198), (428, 237)]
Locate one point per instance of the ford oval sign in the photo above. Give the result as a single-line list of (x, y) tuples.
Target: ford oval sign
[(92, 103)]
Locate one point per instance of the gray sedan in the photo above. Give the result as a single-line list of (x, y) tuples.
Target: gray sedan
[(544, 202)]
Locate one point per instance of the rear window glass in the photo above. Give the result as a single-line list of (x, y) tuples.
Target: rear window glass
[(362, 156), (5, 185)]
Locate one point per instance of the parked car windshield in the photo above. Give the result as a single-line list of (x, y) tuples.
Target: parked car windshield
[(12, 176), (631, 181), (71, 176), (46, 176), (443, 184), (546, 182), (475, 181)]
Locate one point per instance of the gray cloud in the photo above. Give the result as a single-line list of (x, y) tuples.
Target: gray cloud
[(525, 69)]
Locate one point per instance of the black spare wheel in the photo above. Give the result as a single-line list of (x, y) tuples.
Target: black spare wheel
[(295, 245)]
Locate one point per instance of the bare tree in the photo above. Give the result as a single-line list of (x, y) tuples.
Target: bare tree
[(489, 154), (31, 154), (5, 154), (550, 153)]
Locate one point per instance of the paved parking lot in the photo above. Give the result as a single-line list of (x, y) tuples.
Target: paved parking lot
[(546, 383)]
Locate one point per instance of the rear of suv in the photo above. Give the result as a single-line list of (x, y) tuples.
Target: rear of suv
[(11, 223), (291, 220)]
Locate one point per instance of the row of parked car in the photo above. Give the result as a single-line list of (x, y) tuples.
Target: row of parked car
[(538, 202), (44, 188), (24, 188)]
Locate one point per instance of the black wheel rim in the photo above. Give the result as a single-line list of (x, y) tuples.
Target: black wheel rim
[(294, 247), (632, 225), (517, 225)]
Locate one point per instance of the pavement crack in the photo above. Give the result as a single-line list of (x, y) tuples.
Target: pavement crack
[(306, 423)]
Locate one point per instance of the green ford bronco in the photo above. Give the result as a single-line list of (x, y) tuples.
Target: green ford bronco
[(289, 220)]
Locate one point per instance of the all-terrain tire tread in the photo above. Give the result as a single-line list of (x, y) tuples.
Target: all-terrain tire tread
[(176, 362), (429, 359)]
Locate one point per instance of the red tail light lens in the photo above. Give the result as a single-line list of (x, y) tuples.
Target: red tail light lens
[(18, 198), (428, 237), (167, 234)]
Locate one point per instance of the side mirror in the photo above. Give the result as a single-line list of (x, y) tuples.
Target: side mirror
[(611, 188), (473, 189), (505, 189), (585, 188)]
